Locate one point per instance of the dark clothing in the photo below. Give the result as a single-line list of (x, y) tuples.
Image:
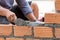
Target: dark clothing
[(17, 11), (23, 5), (3, 20)]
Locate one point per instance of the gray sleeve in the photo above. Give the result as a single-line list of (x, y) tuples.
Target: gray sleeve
[(24, 6)]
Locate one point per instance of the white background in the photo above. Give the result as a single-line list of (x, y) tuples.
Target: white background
[(45, 7)]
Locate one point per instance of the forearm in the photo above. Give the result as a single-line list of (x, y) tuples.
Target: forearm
[(31, 17), (35, 9), (3, 11)]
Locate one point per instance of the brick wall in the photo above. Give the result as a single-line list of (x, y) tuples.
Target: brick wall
[(25, 32), (49, 31)]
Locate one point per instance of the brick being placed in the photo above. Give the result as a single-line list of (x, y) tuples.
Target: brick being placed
[(49, 18), (52, 18), (57, 5)]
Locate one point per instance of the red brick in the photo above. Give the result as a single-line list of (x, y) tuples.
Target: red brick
[(57, 0), (43, 32), (57, 18), (57, 32), (5, 30), (22, 30), (57, 4), (31, 39), (14, 39), (1, 38), (49, 18)]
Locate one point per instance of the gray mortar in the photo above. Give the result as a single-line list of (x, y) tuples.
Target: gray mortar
[(21, 22)]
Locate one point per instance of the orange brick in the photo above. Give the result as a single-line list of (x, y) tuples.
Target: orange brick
[(49, 18), (1, 38), (43, 32), (22, 30), (31, 39), (14, 39), (57, 0), (5, 30), (57, 32), (57, 4), (57, 18)]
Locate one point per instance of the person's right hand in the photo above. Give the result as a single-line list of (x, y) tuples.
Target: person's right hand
[(11, 16)]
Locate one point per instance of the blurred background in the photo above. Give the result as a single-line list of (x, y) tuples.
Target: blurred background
[(45, 6)]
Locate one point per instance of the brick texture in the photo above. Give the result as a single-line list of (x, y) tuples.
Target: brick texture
[(52, 18), (22, 31), (43, 32), (49, 18), (5, 30), (14, 39), (28, 33), (57, 18), (57, 0), (1, 38), (57, 4), (31, 39), (57, 32)]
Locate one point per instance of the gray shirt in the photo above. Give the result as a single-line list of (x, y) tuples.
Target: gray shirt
[(23, 5)]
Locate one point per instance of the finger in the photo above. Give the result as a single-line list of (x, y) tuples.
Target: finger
[(9, 18), (12, 18)]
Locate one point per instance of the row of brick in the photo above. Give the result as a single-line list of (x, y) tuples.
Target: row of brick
[(20, 31), (53, 18), (12, 39), (25, 39)]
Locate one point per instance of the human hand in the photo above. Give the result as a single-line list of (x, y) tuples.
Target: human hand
[(11, 16), (35, 23)]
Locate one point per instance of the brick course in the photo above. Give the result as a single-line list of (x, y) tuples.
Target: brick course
[(25, 33)]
